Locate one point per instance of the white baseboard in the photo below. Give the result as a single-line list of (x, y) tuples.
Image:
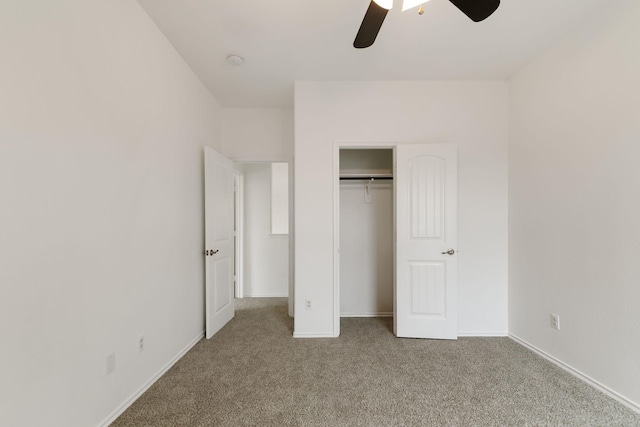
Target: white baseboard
[(246, 295), (383, 314), (312, 335), (483, 334), (119, 410), (584, 377)]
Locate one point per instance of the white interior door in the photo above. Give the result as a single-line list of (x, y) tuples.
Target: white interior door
[(426, 237), (219, 240)]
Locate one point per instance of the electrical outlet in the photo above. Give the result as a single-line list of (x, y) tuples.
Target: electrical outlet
[(140, 343), (555, 321), (111, 362), (307, 304)]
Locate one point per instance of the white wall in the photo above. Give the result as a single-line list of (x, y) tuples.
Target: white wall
[(366, 249), (101, 225), (258, 134), (280, 198), (266, 255), (574, 200), (263, 134), (472, 115)]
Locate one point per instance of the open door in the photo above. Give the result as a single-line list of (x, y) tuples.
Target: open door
[(426, 237), (219, 240)]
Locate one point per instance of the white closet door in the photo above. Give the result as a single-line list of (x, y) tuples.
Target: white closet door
[(426, 217)]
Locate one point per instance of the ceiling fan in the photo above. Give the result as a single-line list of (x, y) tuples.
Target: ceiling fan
[(476, 10)]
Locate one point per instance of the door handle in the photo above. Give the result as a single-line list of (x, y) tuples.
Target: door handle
[(211, 252), (449, 252)]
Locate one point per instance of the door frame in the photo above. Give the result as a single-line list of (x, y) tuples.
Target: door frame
[(239, 232), (240, 194), (337, 146)]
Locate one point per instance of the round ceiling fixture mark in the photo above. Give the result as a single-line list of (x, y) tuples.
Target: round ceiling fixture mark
[(235, 60)]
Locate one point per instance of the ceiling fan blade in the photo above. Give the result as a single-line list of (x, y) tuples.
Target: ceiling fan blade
[(477, 10), (370, 26)]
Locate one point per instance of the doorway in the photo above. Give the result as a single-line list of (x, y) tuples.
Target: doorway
[(242, 198), (366, 232), (262, 224)]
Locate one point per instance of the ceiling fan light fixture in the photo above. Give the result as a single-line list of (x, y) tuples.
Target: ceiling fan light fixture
[(476, 10), (387, 4), (410, 4)]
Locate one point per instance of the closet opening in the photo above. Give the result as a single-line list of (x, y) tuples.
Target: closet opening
[(365, 215), (395, 236)]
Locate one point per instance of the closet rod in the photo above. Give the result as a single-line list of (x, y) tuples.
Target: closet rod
[(365, 178)]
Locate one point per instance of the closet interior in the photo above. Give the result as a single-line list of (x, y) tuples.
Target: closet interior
[(366, 232)]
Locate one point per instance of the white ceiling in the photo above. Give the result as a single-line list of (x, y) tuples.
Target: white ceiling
[(287, 40)]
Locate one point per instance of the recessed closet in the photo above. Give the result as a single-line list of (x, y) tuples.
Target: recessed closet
[(366, 232)]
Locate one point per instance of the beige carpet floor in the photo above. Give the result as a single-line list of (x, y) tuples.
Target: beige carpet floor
[(254, 373)]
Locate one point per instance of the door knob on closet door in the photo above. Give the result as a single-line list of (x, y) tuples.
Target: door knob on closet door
[(449, 252), (212, 252)]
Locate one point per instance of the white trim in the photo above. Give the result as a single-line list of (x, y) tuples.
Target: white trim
[(123, 407), (383, 314), (483, 333), (277, 159), (239, 237), (291, 247), (277, 295), (336, 239), (312, 335), (584, 377)]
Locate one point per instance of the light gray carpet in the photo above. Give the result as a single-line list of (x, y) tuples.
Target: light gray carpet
[(253, 372)]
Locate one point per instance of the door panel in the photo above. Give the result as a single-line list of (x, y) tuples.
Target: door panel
[(219, 240), (426, 197), (428, 289), (426, 216), (222, 269)]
